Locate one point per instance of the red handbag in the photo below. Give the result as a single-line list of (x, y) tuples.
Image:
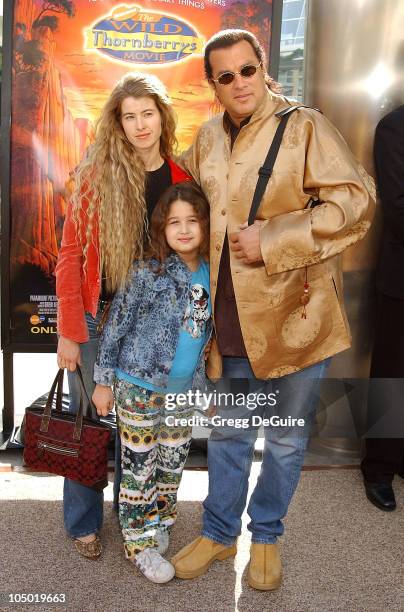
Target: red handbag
[(74, 446)]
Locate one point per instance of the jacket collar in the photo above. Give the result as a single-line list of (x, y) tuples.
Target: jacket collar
[(177, 174), (229, 125), (176, 268), (271, 104)]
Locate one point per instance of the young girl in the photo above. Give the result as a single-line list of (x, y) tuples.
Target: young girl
[(153, 342)]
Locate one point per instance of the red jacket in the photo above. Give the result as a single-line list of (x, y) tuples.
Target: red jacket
[(78, 292)]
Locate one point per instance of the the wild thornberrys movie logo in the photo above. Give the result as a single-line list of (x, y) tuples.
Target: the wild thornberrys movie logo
[(132, 34)]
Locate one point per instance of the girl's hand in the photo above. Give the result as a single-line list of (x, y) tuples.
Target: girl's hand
[(211, 412), (103, 399), (68, 353)]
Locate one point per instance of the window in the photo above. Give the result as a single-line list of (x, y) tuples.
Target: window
[(291, 64), (291, 10)]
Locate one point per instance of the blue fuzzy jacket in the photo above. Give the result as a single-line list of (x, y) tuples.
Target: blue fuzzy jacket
[(141, 334)]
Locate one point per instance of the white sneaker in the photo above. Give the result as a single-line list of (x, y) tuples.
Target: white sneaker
[(162, 539), (153, 566)]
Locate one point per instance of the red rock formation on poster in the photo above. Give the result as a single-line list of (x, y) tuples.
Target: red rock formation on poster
[(46, 143)]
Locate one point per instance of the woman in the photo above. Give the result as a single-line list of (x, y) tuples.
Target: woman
[(117, 185)]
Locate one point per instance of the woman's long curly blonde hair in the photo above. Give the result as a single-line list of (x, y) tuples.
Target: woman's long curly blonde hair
[(110, 181)]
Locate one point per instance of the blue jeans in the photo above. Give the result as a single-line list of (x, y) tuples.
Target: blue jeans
[(83, 506), (231, 451)]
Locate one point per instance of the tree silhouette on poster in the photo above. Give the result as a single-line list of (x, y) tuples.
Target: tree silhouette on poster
[(44, 138), (59, 6)]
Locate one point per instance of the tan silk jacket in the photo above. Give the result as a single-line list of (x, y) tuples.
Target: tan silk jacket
[(313, 160)]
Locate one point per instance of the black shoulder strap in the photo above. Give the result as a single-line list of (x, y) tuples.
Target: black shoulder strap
[(266, 169)]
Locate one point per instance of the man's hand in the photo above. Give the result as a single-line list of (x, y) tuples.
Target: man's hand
[(103, 399), (68, 353), (245, 244)]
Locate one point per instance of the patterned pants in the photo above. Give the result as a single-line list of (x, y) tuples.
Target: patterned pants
[(153, 457)]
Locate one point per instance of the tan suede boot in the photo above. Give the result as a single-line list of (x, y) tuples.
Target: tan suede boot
[(265, 569), (195, 559)]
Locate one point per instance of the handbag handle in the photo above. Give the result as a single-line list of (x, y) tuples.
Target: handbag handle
[(58, 386), (265, 172)]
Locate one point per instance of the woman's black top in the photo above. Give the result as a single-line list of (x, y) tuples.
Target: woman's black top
[(157, 181)]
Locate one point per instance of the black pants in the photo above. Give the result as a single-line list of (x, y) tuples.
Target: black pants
[(385, 455)]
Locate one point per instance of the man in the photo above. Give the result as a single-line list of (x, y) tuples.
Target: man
[(277, 291), (385, 455)]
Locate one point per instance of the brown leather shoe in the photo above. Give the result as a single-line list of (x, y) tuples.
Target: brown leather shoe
[(91, 550), (265, 569), (195, 559)]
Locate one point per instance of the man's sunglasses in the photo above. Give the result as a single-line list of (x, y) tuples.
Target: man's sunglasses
[(228, 77)]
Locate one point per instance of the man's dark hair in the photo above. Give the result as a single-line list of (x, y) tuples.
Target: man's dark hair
[(228, 38)]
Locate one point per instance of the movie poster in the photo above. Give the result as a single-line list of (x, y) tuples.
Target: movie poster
[(67, 56)]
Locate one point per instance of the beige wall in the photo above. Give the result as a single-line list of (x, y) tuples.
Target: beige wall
[(354, 69)]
